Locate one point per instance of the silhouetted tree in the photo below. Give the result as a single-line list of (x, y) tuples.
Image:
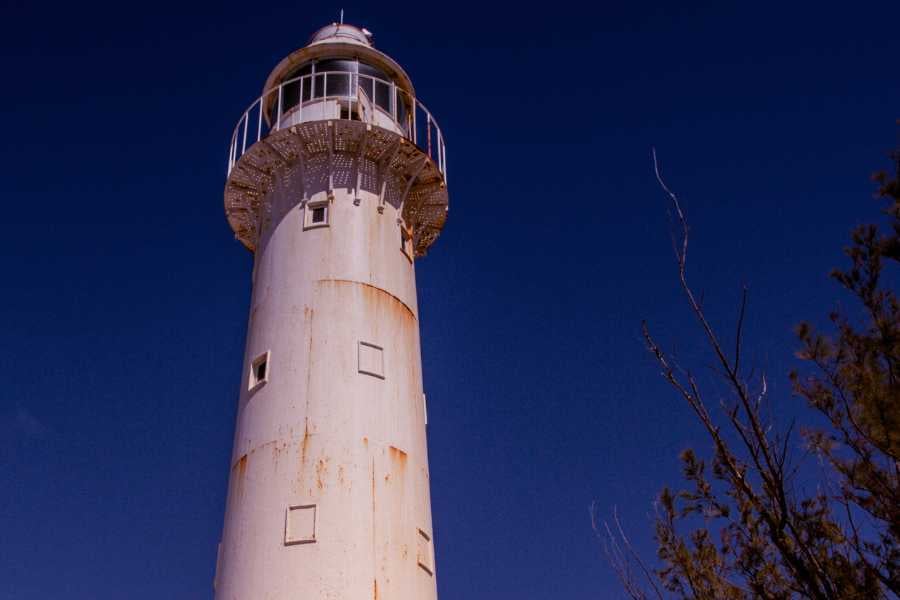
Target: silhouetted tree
[(742, 528)]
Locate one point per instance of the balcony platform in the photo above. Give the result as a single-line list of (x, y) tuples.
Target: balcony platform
[(340, 153)]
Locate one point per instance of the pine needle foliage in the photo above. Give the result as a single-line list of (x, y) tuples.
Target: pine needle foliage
[(742, 528)]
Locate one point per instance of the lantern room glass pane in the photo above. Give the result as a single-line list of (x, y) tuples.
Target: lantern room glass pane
[(367, 85), (402, 112), (383, 96), (340, 66), (290, 93), (371, 71), (290, 96), (337, 82), (318, 86), (344, 78)]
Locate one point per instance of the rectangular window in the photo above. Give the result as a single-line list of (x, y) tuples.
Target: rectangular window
[(424, 552), (259, 371), (371, 360), (300, 525)]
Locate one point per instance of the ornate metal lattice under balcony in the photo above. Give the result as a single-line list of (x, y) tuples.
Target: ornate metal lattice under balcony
[(338, 154)]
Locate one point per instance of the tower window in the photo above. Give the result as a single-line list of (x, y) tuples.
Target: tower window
[(259, 371), (316, 215), (300, 525), (424, 552), (371, 360)]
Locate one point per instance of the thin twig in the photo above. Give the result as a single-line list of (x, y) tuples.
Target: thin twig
[(740, 328)]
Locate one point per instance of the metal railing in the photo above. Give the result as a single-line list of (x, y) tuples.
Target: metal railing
[(339, 95)]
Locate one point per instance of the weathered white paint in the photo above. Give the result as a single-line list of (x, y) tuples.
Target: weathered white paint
[(328, 495)]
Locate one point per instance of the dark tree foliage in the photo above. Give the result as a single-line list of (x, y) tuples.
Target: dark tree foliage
[(856, 386), (743, 527)]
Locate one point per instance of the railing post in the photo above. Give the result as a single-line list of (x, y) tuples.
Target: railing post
[(300, 110), (436, 149), (278, 120), (262, 103), (244, 143), (392, 102)]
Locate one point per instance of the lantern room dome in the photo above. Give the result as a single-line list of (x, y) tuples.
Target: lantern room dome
[(339, 32), (339, 41)]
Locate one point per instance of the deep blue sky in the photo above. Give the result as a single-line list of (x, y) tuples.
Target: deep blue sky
[(125, 296)]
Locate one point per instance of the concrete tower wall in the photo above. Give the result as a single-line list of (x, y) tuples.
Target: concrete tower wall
[(348, 446), (328, 495)]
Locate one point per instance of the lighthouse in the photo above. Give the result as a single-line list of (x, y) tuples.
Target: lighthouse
[(337, 183)]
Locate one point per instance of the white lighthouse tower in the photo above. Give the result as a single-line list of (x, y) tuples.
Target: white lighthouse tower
[(337, 184)]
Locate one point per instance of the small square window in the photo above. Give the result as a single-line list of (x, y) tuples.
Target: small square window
[(315, 215), (371, 360), (300, 525), (259, 371)]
